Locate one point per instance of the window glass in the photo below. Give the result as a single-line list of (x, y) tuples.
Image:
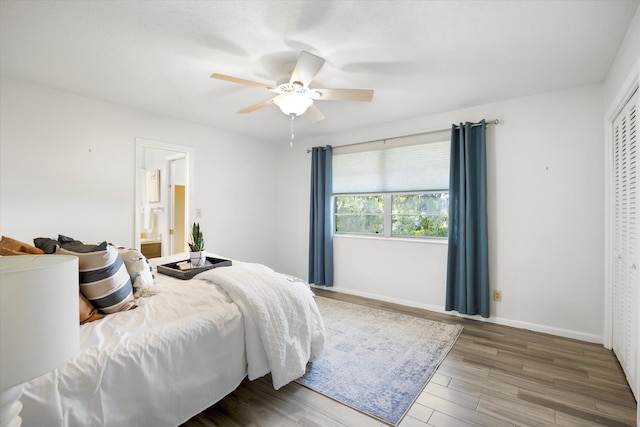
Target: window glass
[(420, 214), (359, 214)]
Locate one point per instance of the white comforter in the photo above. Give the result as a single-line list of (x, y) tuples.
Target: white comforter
[(287, 319), (181, 351)]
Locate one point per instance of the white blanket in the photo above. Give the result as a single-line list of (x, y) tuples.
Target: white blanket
[(287, 318)]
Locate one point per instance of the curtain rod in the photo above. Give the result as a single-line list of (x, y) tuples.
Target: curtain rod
[(487, 122)]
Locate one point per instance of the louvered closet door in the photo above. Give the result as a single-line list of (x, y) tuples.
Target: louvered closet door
[(626, 281)]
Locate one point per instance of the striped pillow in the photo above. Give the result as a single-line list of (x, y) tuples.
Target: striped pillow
[(104, 279)]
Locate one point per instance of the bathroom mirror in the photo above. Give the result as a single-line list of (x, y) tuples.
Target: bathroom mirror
[(164, 190)]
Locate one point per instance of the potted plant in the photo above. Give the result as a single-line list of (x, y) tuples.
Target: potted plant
[(198, 255)]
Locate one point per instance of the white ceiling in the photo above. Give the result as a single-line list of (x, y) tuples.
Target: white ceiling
[(420, 57)]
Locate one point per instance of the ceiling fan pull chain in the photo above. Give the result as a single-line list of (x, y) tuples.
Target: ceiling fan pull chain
[(292, 135)]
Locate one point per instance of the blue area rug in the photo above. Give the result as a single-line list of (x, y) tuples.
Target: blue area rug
[(376, 361)]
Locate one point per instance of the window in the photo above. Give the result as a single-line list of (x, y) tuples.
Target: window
[(406, 215), (393, 188), (425, 215), (359, 214)]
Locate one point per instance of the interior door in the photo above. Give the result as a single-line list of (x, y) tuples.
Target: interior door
[(626, 283), (178, 190), (179, 225)]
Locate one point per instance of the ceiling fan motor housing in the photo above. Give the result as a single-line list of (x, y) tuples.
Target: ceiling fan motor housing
[(297, 87)]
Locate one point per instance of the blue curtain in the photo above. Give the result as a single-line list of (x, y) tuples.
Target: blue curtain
[(320, 231), (468, 260)]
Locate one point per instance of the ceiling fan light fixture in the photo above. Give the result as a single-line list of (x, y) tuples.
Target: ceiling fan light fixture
[(293, 103)]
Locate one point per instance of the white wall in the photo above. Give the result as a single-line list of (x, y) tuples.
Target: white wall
[(67, 166), (545, 217), (625, 62)]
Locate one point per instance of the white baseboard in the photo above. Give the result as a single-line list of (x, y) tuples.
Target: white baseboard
[(565, 333)]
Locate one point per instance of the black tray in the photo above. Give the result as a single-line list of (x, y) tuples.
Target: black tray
[(172, 268)]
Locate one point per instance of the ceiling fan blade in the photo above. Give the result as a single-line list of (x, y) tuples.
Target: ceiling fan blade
[(255, 107), (313, 114), (361, 95), (307, 67), (241, 81)]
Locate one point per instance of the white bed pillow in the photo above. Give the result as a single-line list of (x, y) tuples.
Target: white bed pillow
[(138, 267)]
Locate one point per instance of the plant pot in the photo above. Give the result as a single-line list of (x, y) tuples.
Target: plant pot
[(198, 259)]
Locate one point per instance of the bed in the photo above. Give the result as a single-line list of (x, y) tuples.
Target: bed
[(181, 350)]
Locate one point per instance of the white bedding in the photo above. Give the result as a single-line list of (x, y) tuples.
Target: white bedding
[(158, 365), (281, 312)]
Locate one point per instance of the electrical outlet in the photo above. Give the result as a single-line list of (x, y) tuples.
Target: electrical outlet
[(497, 296), (198, 213)]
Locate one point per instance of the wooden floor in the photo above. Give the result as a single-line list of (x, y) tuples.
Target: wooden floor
[(494, 376)]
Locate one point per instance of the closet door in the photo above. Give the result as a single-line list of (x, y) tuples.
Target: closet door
[(626, 281)]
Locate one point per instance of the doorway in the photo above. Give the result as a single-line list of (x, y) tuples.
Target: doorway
[(164, 177)]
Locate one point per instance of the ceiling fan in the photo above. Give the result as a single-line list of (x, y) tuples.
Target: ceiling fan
[(295, 97)]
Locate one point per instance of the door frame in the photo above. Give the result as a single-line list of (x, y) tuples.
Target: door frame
[(189, 152)]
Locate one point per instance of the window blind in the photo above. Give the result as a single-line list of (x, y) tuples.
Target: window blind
[(398, 168)]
